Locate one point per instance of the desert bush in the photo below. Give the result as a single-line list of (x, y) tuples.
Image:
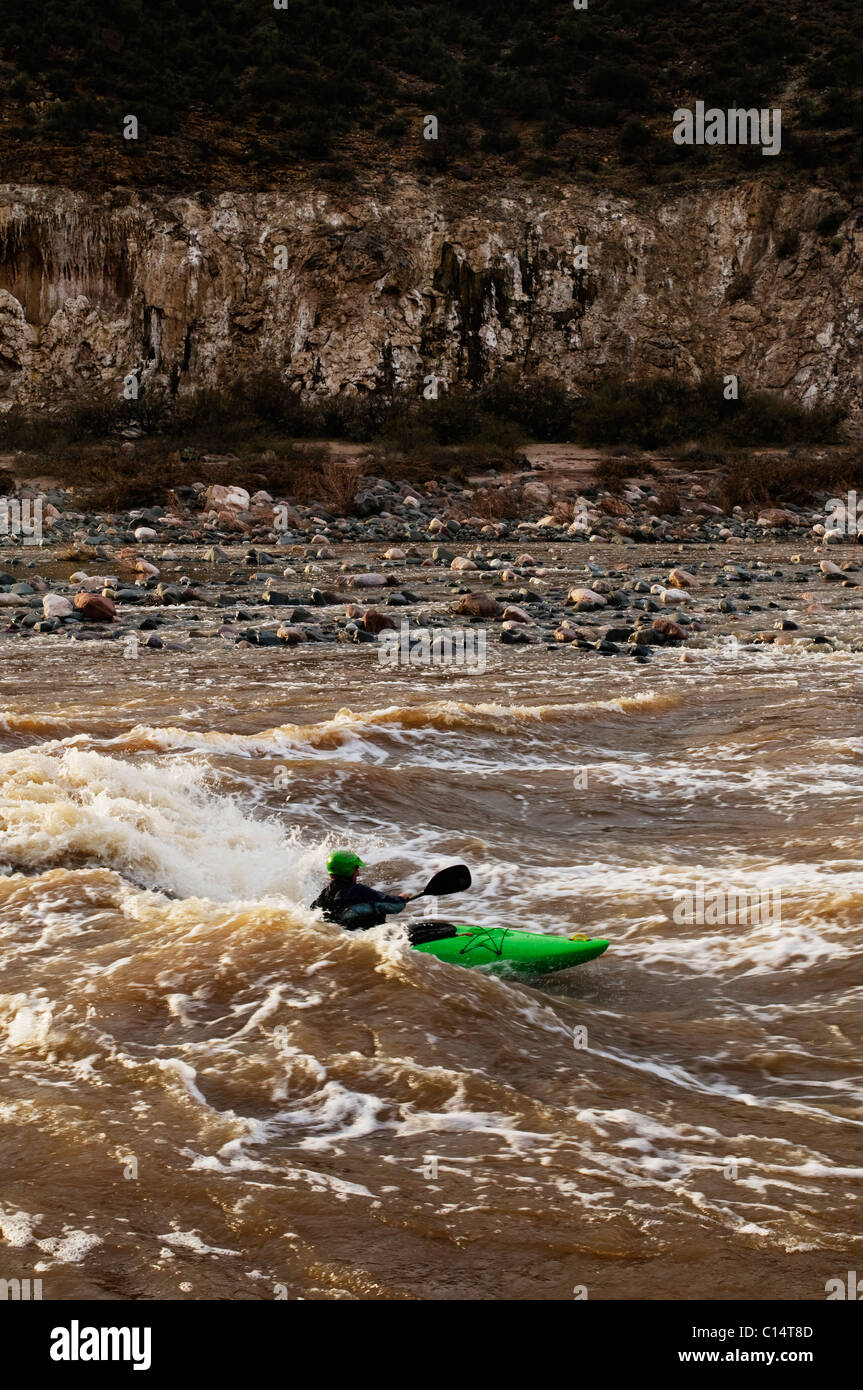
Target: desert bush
[(753, 480), (635, 136), (612, 473), (762, 417), (541, 405), (106, 478), (466, 430), (494, 504), (495, 68), (667, 500), (454, 417), (332, 481), (664, 411)]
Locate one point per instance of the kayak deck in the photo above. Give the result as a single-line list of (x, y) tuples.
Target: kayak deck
[(460, 943)]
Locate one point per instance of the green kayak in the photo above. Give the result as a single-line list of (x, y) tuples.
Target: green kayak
[(503, 948)]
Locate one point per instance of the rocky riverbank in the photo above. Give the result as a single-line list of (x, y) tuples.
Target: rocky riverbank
[(584, 567)]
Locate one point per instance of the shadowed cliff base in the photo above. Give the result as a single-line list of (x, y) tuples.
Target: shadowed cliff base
[(261, 436), (508, 410)]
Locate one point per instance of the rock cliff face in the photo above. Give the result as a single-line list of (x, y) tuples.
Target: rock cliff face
[(359, 291)]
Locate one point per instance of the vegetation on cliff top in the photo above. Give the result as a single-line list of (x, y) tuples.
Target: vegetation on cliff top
[(239, 90)]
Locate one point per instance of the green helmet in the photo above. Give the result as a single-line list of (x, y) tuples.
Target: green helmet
[(342, 862)]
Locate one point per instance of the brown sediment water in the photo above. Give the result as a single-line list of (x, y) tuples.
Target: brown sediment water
[(210, 1093)]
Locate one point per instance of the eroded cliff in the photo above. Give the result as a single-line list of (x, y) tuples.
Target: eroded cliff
[(427, 279)]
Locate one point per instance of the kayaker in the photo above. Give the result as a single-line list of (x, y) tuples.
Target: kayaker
[(354, 905)]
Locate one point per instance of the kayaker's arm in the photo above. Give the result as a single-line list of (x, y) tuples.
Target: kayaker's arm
[(382, 902), (389, 904), (368, 913)]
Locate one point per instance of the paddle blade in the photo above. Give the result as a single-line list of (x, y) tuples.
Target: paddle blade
[(455, 879)]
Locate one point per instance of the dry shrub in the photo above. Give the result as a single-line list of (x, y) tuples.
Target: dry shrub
[(107, 478), (615, 506), (612, 473), (758, 481), (335, 482), (495, 504), (667, 500)]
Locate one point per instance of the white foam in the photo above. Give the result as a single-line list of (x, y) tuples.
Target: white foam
[(16, 1228), (190, 1240)]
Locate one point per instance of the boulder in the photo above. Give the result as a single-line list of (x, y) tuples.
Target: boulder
[(219, 498), (169, 594), (479, 606), (56, 606), (95, 608), (587, 597), (291, 635), (669, 629), (461, 563), (94, 583), (377, 622), (537, 493), (682, 579)]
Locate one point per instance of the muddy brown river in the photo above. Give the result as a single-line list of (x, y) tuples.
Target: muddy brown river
[(208, 1092)]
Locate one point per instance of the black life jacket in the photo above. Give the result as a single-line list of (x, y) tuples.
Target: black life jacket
[(351, 905)]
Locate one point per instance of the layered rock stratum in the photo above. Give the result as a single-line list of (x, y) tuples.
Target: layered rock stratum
[(425, 278)]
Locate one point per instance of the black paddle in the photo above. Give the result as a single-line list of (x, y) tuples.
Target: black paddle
[(455, 879)]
